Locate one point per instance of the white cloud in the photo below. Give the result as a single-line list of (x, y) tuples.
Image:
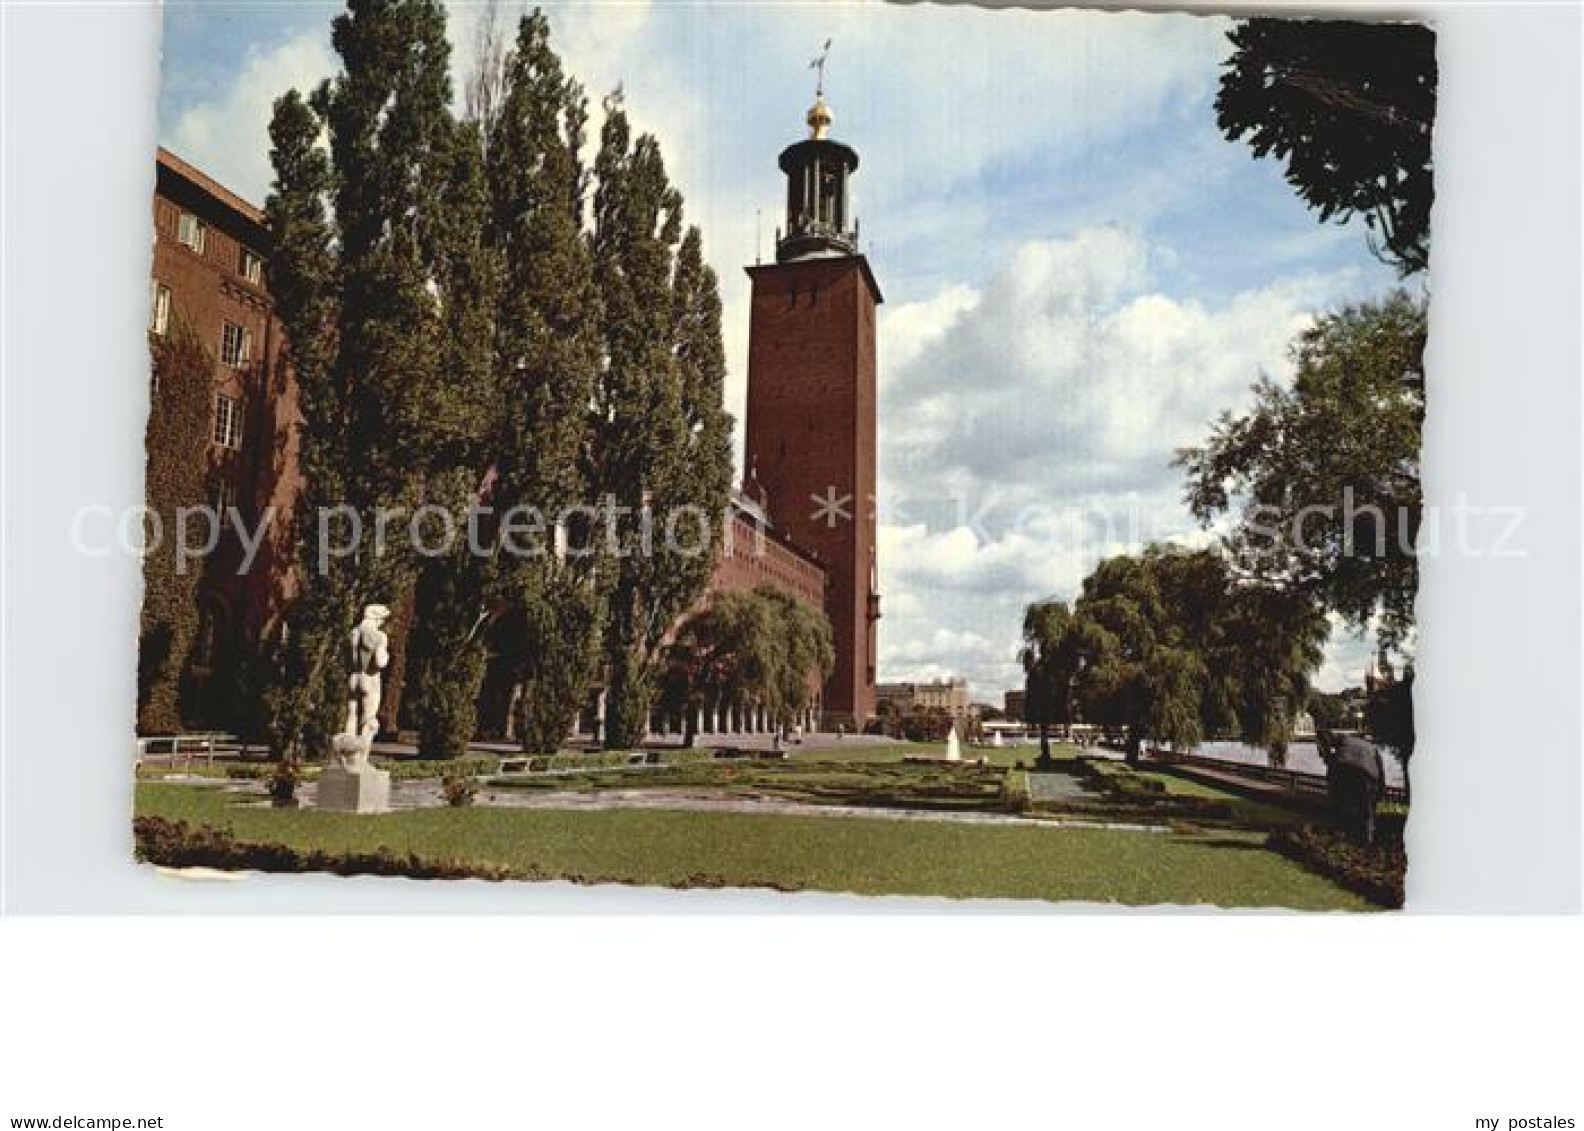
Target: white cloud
[(1027, 431), (603, 45), (911, 329), (228, 137), (1009, 80), (1347, 656)]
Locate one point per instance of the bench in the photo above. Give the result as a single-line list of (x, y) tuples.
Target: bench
[(177, 747)]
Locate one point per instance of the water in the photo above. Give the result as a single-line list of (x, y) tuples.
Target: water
[(1301, 756)]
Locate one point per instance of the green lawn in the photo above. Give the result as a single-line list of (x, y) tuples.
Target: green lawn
[(845, 854), (1245, 810), (882, 784)]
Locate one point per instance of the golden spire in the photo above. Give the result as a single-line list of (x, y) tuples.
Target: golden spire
[(819, 115), (819, 118)]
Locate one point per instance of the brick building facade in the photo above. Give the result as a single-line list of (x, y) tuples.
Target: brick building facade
[(948, 697), (210, 253), (208, 276)]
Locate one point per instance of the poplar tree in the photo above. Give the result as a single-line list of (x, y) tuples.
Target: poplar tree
[(300, 695), (368, 293), (662, 470), (547, 351), (446, 655)]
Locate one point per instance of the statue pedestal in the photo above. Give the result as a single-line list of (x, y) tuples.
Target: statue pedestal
[(361, 790)]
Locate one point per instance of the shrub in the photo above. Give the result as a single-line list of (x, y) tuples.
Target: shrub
[(594, 760), (1374, 871), (1123, 782), (175, 844), (459, 789), (283, 781), (415, 769), (1015, 794)]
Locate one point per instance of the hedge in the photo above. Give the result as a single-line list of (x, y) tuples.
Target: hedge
[(1374, 871)]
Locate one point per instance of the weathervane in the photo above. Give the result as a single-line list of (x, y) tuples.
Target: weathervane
[(818, 64)]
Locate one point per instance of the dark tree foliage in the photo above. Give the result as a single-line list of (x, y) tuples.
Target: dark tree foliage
[(763, 649), (446, 657), (180, 403), (1350, 108), (301, 690), (1052, 658), (1143, 672), (722, 655), (485, 88), (1172, 646), (1389, 716), (805, 653), (661, 458), (557, 657), (547, 351), (1323, 476), (462, 338), (378, 296), (1328, 711)]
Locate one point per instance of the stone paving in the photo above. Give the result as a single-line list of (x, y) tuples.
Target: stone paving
[(1053, 786)]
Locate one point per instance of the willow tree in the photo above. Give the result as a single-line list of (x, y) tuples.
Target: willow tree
[(725, 653), (806, 653), (1321, 477), (1172, 645), (1052, 658), (762, 648)]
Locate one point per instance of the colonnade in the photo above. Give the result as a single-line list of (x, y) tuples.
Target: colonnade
[(723, 718)]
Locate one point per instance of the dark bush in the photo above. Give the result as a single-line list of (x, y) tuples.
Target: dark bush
[(283, 781), (1374, 871), (459, 789), (413, 769), (175, 844)]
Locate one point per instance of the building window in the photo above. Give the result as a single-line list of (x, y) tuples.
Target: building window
[(228, 422), (159, 307), (252, 268), (236, 345), (190, 232)]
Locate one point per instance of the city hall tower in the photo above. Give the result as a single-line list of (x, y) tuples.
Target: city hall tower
[(811, 401)]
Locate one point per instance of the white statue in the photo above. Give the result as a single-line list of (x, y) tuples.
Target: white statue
[(369, 650), (351, 783), (953, 746)]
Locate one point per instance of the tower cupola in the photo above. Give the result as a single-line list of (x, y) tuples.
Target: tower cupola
[(819, 221)]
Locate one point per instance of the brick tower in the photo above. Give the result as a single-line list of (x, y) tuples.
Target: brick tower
[(811, 402)]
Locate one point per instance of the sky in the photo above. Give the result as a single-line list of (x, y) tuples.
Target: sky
[(1080, 273)]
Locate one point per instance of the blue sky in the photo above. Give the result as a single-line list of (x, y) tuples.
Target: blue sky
[(1079, 271)]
